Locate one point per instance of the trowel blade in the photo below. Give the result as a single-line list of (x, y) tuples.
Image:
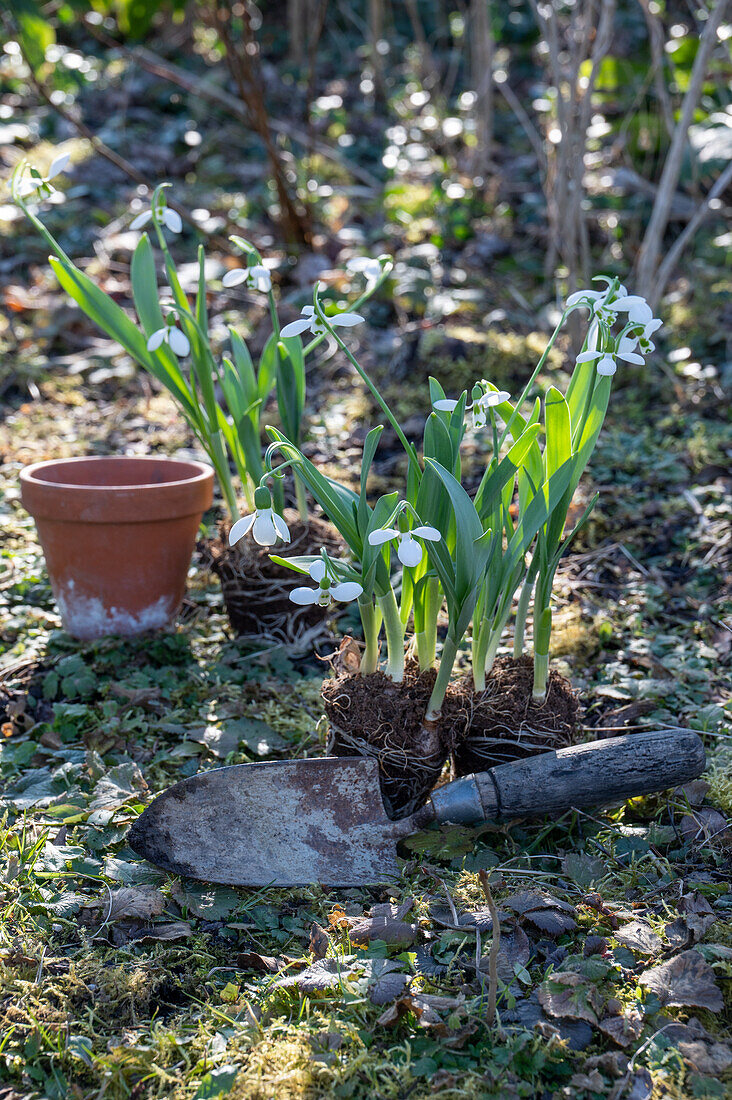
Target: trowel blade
[(288, 823)]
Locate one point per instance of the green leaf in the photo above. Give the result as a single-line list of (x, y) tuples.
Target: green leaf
[(216, 1082), (291, 387), (558, 431), (244, 368), (145, 288), (113, 320), (201, 310), (267, 371)]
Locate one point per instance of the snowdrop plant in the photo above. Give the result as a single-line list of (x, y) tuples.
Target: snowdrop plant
[(172, 339), (620, 328), (442, 546)]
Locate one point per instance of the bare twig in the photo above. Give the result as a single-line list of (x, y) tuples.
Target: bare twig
[(673, 255), (655, 38), (493, 953), (586, 32), (482, 49), (241, 52), (650, 251)]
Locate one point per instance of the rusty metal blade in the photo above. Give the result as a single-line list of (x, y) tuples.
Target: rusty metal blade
[(286, 823)]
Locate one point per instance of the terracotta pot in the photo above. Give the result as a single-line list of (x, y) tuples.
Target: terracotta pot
[(117, 535)]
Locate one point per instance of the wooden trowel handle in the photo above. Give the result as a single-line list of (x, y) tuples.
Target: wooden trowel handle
[(593, 774)]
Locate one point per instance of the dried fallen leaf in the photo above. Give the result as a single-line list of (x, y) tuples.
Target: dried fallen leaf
[(641, 1086), (252, 960), (547, 913), (322, 975), (698, 915), (130, 902), (513, 955), (624, 1029), (591, 1082), (319, 941), (386, 928), (568, 994), (704, 826), (639, 936), (685, 980), (386, 981), (173, 930), (707, 1057)]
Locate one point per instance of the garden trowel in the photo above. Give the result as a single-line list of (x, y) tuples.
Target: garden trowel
[(296, 822)]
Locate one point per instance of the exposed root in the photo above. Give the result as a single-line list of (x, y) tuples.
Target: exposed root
[(372, 716), (504, 723)]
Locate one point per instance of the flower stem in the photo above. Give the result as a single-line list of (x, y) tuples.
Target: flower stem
[(522, 610), (371, 622), (447, 660), (481, 637), (542, 636), (408, 448), (301, 498), (426, 638), (394, 628), (541, 673)]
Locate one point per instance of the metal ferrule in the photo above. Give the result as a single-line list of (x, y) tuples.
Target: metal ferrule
[(458, 802)]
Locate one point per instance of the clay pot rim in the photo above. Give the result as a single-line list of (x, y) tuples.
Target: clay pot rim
[(201, 472)]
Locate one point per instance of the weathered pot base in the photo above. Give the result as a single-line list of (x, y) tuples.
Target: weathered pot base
[(372, 716), (256, 591), (504, 723), (88, 617)]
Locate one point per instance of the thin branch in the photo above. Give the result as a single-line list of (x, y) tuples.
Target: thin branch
[(702, 213), (651, 247), (655, 38)]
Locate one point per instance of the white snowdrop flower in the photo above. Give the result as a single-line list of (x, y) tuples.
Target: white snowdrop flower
[(626, 350), (488, 400), (588, 356), (266, 525), (171, 219), (176, 340), (257, 277), (636, 307), (59, 165), (327, 590), (598, 301), (309, 322), (409, 551), (367, 266), (141, 219), (607, 365), (644, 338), (493, 398)]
